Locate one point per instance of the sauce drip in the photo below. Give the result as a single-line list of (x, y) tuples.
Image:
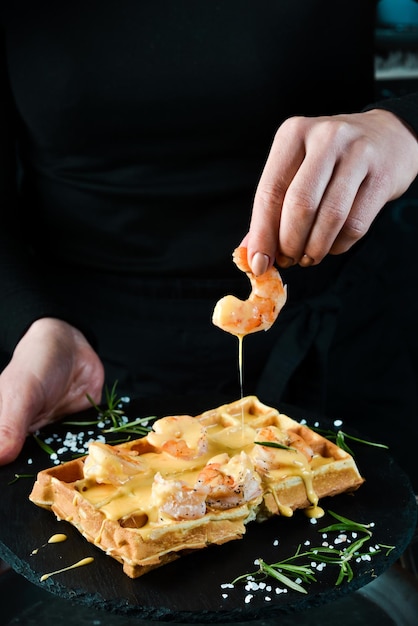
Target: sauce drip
[(240, 365), (58, 538), (241, 376), (85, 561), (314, 512)]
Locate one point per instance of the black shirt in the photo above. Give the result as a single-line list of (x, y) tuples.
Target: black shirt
[(139, 131)]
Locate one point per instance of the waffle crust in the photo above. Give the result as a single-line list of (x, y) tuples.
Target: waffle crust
[(194, 481)]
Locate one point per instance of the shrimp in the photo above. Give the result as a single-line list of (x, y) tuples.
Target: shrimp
[(181, 436), (178, 500), (268, 458), (260, 310), (230, 482), (106, 464)]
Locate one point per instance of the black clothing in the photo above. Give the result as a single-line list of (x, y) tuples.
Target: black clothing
[(133, 135)]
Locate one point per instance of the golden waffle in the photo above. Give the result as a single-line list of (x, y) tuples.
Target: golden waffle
[(194, 481)]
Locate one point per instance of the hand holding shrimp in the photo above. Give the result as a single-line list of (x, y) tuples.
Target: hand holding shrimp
[(259, 312), (324, 182)]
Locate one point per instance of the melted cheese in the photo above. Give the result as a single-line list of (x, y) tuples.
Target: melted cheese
[(112, 488)]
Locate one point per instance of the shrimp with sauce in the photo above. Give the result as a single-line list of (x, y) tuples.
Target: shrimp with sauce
[(181, 436), (260, 310), (108, 465), (177, 499), (268, 457), (230, 482)]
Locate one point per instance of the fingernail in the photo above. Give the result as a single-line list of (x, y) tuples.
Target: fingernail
[(260, 263), (306, 261), (284, 261)]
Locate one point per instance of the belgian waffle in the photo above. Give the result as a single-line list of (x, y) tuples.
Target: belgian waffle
[(194, 481)]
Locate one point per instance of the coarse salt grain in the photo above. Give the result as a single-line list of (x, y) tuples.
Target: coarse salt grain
[(248, 598)]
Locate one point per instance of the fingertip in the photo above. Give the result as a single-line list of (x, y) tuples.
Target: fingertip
[(260, 263), (306, 261)]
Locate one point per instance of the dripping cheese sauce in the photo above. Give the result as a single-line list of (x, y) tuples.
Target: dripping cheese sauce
[(230, 434), (314, 511)]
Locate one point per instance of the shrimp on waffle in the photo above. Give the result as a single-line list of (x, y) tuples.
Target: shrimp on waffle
[(194, 481)]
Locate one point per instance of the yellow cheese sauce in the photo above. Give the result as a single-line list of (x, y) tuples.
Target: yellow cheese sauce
[(127, 492), (80, 563), (57, 538)]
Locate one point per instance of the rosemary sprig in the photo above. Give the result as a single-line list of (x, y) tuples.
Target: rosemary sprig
[(275, 444), (79, 423), (45, 447), (294, 572), (347, 525), (290, 571), (138, 426), (340, 439), (112, 419), (112, 412), (18, 477)]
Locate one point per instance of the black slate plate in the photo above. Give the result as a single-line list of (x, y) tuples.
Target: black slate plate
[(190, 589)]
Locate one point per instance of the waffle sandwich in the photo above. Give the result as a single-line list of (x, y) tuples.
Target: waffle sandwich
[(194, 481)]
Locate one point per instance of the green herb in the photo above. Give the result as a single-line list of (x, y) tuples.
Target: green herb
[(340, 439), (112, 412), (18, 476), (347, 525), (274, 444), (293, 573), (45, 447), (138, 427), (77, 423), (291, 570)]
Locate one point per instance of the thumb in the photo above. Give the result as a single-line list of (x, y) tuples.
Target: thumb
[(13, 431), (17, 409)]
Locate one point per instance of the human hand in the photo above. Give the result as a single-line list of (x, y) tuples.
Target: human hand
[(52, 369), (324, 182)]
